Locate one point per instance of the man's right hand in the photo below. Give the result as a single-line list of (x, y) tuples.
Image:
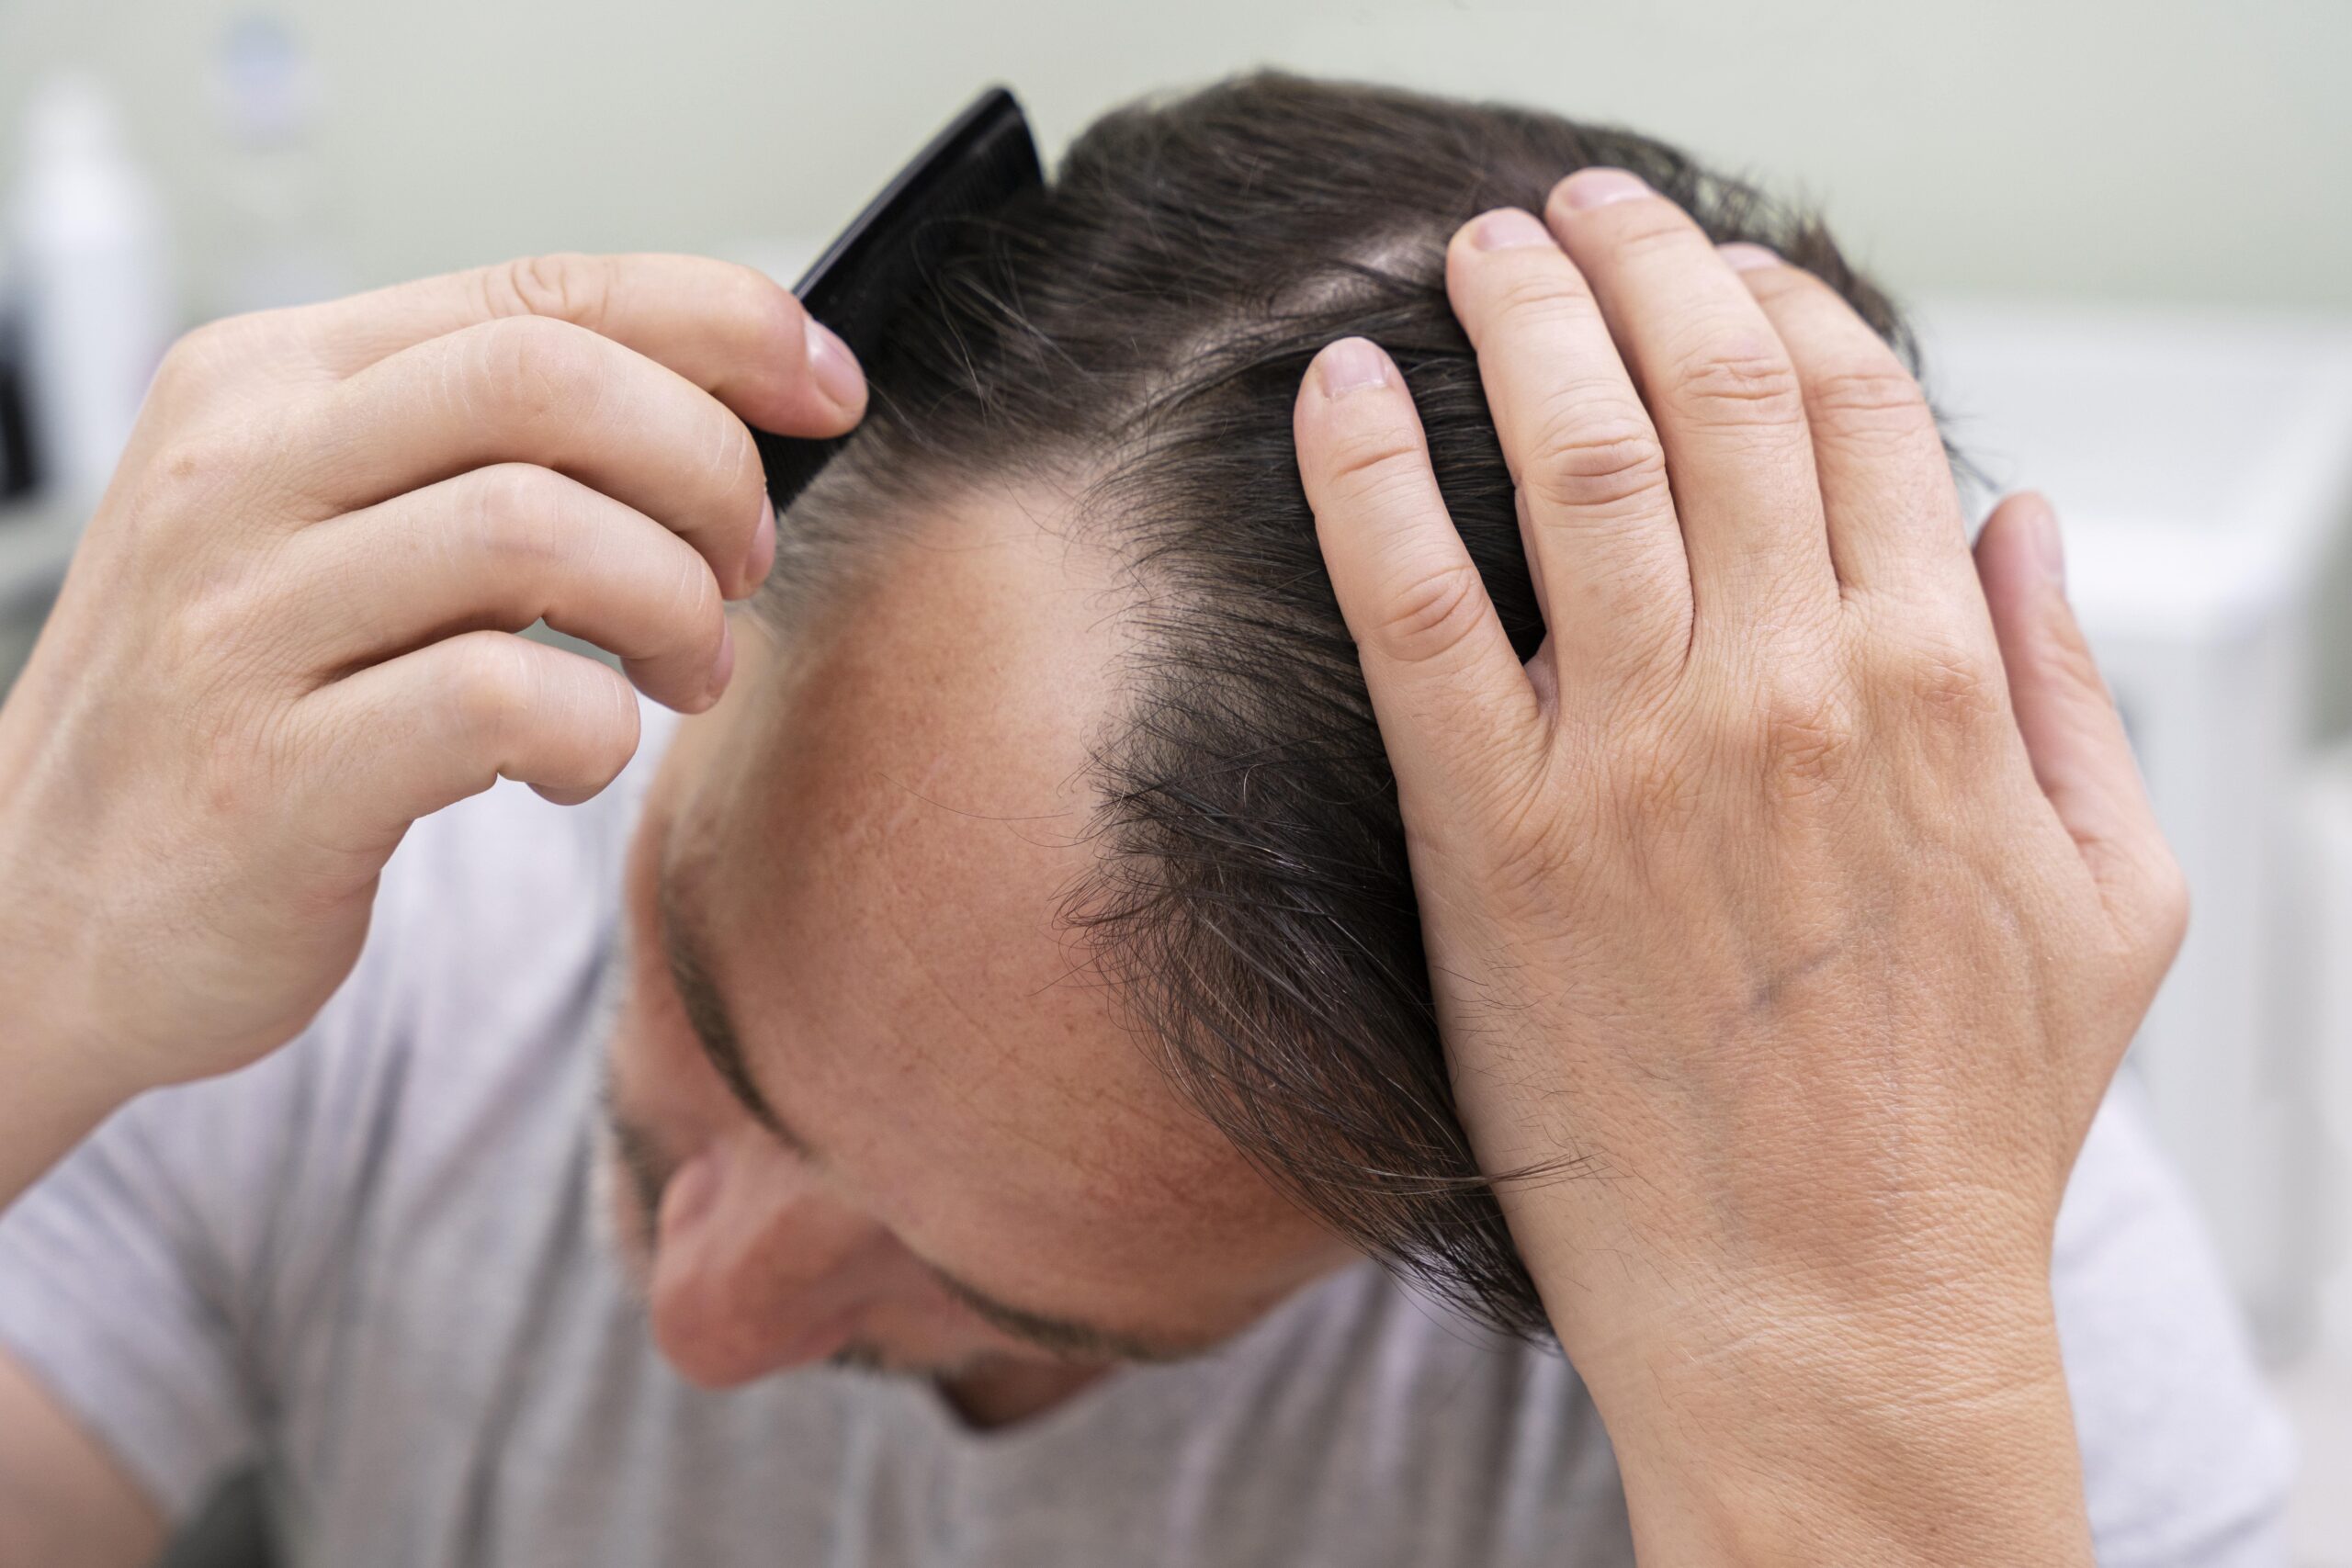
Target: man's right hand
[(291, 632)]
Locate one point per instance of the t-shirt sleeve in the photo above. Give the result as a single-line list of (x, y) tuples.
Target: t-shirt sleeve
[(143, 1279), (2186, 1459)]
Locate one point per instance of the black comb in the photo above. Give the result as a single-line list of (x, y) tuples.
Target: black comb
[(983, 159)]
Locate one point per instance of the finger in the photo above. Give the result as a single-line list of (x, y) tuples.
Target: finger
[(1450, 697), (2082, 757), (731, 330), (1724, 395), (1591, 475), (1895, 527), (398, 740), (555, 396), (499, 548)]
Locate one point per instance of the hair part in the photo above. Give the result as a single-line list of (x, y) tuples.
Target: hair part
[(1134, 336)]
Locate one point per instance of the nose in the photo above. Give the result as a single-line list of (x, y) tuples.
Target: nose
[(757, 1266)]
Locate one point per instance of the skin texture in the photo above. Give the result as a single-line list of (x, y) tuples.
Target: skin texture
[(900, 796), (1796, 902), (1799, 902), (288, 633)]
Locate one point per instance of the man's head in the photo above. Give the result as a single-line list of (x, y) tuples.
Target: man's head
[(1026, 953)]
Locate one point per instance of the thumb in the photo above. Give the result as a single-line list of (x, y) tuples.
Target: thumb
[(2081, 754)]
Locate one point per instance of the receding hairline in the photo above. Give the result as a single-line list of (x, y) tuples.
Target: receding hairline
[(1258, 908)]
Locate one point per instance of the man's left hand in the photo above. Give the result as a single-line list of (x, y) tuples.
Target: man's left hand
[(1788, 913)]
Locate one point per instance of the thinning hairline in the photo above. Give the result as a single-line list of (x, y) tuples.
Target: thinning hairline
[(817, 556), (842, 564)]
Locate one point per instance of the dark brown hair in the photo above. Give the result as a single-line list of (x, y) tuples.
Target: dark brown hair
[(1134, 335)]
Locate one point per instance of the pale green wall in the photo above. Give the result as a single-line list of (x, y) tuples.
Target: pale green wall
[(2160, 150)]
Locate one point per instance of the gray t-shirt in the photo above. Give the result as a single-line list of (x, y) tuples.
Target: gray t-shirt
[(371, 1264)]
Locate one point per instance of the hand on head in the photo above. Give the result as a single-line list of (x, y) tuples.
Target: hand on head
[(312, 560), (1787, 913), (1790, 911)]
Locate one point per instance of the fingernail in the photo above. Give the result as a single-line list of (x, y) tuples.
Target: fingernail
[(1350, 366), (762, 555), (1743, 257), (1508, 228), (835, 368), (1587, 188), (2049, 541), (723, 667)]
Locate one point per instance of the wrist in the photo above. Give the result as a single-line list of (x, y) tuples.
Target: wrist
[(48, 1104), (1932, 1429), (55, 1087)]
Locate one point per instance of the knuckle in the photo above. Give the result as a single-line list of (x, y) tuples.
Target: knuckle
[(1801, 735), (735, 460), (1735, 379), (616, 734), (503, 490), (1584, 457), (1868, 389), (1374, 465), (1661, 787), (1536, 860), (520, 513), (209, 621), (687, 607), (1640, 230), (1428, 613), (1944, 677), (234, 619), (199, 360), (1541, 296), (494, 693), (696, 601), (567, 286), (1777, 287), (542, 369)]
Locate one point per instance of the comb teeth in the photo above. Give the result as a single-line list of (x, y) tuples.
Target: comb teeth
[(984, 158)]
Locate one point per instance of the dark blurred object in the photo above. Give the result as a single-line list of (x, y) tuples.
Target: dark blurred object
[(231, 1532), (981, 161), (16, 475)]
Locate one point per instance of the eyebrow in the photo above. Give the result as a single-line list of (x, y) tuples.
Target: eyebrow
[(1060, 1336), (713, 1030)]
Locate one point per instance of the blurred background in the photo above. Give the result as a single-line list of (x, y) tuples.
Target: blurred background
[(2125, 229)]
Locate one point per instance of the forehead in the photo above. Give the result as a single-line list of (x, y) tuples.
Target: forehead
[(885, 849)]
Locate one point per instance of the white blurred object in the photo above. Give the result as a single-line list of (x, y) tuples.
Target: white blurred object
[(270, 98), (2202, 467), (2326, 873), (87, 231)]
